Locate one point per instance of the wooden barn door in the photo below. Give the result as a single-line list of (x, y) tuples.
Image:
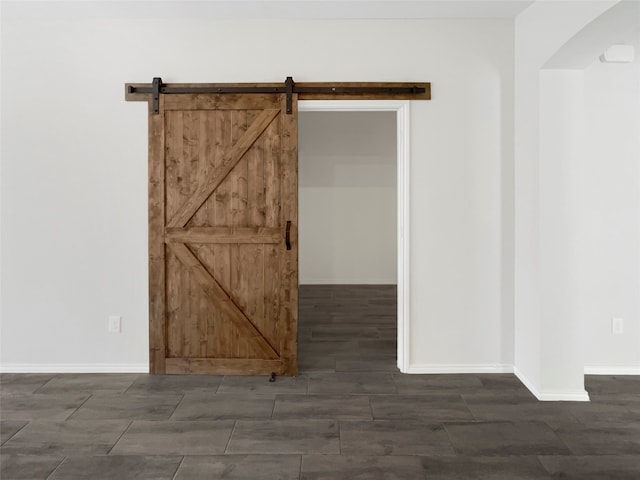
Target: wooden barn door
[(223, 234)]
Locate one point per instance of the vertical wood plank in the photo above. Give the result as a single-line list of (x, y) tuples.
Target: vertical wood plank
[(206, 252), (157, 334), (240, 349), (272, 218), (239, 174), (255, 178), (238, 180), (173, 160), (174, 288), (271, 288), (184, 321), (224, 340), (289, 263), (196, 303), (254, 254), (177, 282), (217, 134), (196, 148), (203, 306), (272, 149)]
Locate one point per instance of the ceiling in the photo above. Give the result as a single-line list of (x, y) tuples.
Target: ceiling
[(302, 9)]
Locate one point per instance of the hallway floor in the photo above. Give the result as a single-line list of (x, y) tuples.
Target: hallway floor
[(349, 415)]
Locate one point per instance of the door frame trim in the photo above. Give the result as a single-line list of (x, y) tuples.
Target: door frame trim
[(403, 117)]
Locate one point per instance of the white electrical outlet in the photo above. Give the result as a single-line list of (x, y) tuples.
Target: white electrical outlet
[(114, 324), (617, 326)]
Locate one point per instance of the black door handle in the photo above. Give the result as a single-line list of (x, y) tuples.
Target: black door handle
[(287, 238)]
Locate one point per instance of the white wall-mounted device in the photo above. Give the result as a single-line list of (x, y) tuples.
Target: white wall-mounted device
[(618, 54)]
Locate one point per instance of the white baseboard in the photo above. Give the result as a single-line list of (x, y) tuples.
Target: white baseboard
[(526, 382), (620, 370), (459, 368), (568, 396), (555, 396), (74, 368)]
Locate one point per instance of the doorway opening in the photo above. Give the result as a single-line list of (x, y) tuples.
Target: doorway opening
[(354, 232)]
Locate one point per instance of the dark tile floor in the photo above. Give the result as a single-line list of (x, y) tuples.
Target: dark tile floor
[(348, 415)]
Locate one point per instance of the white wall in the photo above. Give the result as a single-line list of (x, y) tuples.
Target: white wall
[(347, 197), (561, 142), (74, 169), (540, 31), (609, 189), (550, 135)]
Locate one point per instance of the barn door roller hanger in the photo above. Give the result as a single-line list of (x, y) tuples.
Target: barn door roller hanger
[(317, 91)]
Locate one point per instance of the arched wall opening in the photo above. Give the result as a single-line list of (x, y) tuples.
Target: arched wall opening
[(577, 206)]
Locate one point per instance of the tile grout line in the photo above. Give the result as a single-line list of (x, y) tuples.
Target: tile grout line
[(393, 379), (179, 467), (473, 415), (119, 438), (15, 433), (235, 422), (129, 387), (542, 464), (220, 384), (177, 405), (78, 408), (45, 383), (453, 447), (393, 382), (555, 434), (370, 407), (57, 467)]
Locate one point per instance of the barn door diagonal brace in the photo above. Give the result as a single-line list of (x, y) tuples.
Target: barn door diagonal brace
[(305, 91)]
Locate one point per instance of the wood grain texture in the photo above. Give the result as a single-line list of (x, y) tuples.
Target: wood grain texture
[(227, 335), (156, 246), (237, 179), (227, 291), (229, 160), (222, 300), (255, 178), (208, 326), (224, 366), (238, 174), (273, 218), (289, 261), (195, 324), (227, 101), (143, 97), (223, 235), (177, 189)]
